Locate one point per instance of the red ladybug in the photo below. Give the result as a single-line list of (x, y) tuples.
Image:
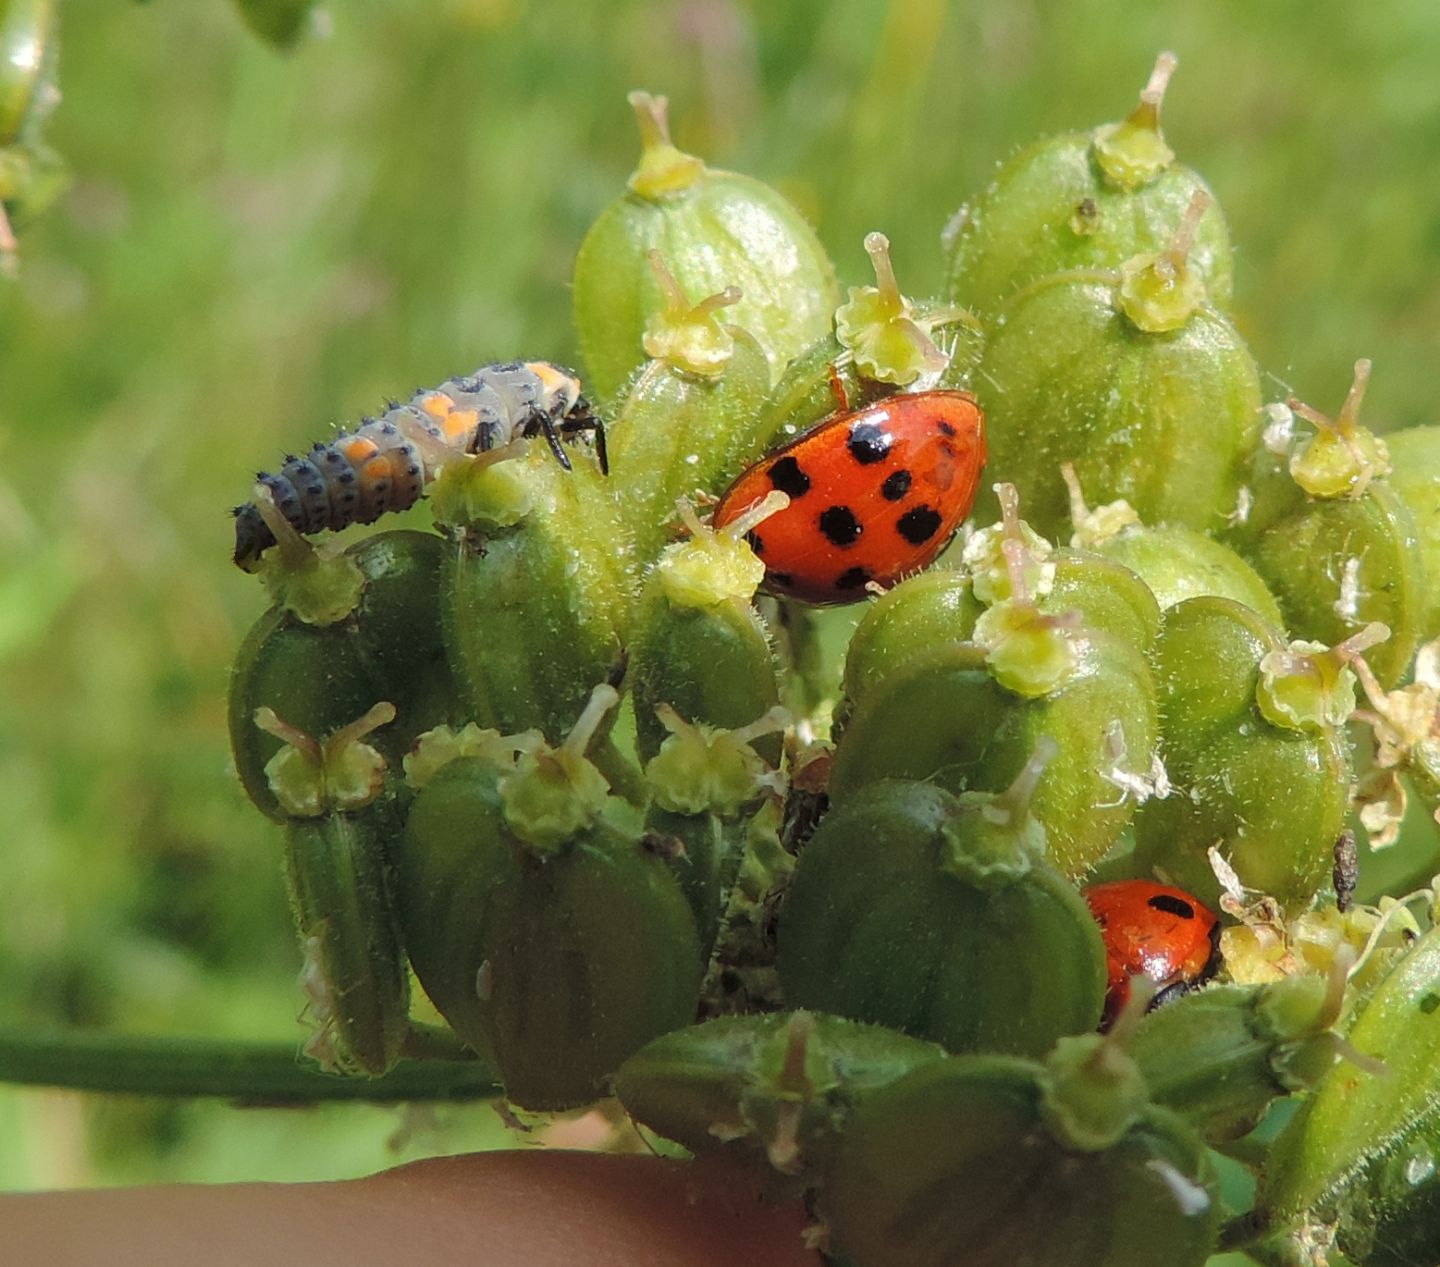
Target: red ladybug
[(875, 494), (1156, 931)]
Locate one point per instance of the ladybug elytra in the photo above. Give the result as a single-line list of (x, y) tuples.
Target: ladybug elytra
[(875, 494), (1156, 931)]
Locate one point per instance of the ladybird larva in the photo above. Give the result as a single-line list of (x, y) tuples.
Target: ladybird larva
[(386, 462)]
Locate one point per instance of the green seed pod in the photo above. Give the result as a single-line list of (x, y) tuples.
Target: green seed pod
[(1335, 540), (705, 780), (698, 645), (338, 830), (681, 433), (1254, 744), (1132, 376), (931, 610), (992, 1161), (1415, 476), (375, 637), (1175, 562), (936, 915), (1219, 1057), (781, 1083), (1359, 1158), (534, 592), (540, 928), (969, 714), (881, 341), (1083, 200), (715, 229)]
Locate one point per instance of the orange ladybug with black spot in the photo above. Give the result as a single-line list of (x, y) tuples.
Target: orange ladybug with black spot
[(875, 494), (1156, 931)]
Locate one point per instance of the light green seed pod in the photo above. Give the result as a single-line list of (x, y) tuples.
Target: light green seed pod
[(535, 590), (1134, 377), (1332, 535), (1255, 747), (714, 229), (1175, 562), (967, 715), (1360, 1156), (1083, 200), (679, 433)]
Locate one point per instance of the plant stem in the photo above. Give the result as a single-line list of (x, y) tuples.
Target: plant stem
[(251, 1072)]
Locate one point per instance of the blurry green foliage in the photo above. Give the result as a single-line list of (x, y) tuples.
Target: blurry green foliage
[(258, 246)]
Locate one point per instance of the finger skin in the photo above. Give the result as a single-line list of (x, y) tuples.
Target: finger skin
[(539, 1208)]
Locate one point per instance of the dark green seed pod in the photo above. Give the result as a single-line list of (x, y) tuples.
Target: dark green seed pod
[(355, 971), (1415, 476), (715, 229), (979, 1160), (698, 645), (936, 915), (1335, 540), (1219, 1057), (1175, 562), (969, 714), (1255, 747), (704, 781), (538, 925), (782, 1083), (1359, 1158), (534, 592), (1134, 377), (1083, 200), (382, 642), (683, 433), (339, 830)]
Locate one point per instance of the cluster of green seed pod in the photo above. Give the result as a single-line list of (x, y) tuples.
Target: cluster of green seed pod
[(637, 833)]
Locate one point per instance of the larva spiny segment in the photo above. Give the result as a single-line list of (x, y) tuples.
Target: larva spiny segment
[(386, 462)]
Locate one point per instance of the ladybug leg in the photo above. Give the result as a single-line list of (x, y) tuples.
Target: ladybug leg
[(837, 389)]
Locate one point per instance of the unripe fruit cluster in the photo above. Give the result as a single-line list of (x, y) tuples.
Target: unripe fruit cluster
[(562, 758)]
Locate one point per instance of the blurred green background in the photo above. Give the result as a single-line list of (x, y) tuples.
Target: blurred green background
[(260, 245)]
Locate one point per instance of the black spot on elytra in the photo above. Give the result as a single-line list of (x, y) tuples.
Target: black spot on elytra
[(787, 476), (754, 541), (840, 526), (945, 429), (853, 579), (896, 485), (781, 579), (869, 443), (1171, 905), (917, 526)]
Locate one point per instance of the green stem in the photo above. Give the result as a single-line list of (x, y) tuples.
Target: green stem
[(254, 1073)]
